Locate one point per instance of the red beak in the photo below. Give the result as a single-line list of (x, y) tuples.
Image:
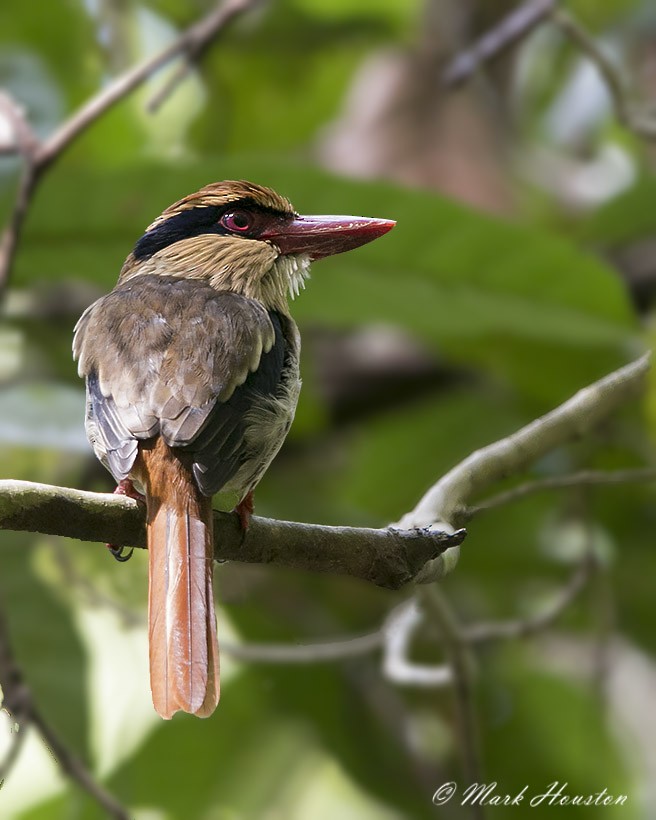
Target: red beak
[(321, 236)]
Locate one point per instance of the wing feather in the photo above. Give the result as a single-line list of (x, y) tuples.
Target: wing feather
[(172, 356)]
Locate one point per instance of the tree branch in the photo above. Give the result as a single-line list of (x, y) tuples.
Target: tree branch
[(523, 628), (387, 557), (627, 113), (444, 505), (399, 629), (19, 702), (519, 24), (447, 499), (461, 664), (513, 27)]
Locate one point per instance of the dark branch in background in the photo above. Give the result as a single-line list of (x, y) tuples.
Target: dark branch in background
[(19, 702), (387, 557), (514, 27), (37, 157), (627, 113), (461, 661), (198, 40), (519, 24)]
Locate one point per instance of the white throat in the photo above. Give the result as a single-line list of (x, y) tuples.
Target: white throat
[(294, 269)]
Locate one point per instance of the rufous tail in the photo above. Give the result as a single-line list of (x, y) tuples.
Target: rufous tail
[(184, 652)]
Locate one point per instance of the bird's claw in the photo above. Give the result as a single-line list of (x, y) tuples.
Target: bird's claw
[(119, 553), (244, 511), (125, 487)]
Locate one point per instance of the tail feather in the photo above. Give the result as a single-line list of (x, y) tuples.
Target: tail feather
[(184, 655)]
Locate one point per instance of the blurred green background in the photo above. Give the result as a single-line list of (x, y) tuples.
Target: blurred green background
[(523, 267)]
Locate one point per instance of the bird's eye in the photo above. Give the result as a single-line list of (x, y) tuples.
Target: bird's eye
[(238, 221)]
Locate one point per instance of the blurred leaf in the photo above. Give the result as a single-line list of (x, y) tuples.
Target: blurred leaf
[(625, 218), (254, 757), (596, 16), (395, 458), (401, 15), (65, 39), (531, 702)]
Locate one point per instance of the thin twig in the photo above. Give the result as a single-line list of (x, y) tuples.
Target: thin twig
[(520, 22), (625, 110), (19, 701), (523, 628), (40, 156), (596, 478), (400, 626), (75, 769), (335, 650), (197, 46), (462, 666), (525, 19), (197, 36)]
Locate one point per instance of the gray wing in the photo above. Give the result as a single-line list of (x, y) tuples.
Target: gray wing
[(174, 357)]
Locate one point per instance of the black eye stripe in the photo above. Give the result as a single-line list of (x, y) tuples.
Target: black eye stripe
[(192, 222)]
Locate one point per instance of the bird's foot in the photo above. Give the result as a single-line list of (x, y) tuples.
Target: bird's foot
[(244, 510), (127, 488)]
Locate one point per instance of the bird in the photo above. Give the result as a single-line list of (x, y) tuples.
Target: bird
[(192, 378)]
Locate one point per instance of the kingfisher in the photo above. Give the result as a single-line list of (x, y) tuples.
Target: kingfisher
[(192, 378)]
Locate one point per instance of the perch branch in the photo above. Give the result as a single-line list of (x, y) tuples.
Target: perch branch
[(386, 557)]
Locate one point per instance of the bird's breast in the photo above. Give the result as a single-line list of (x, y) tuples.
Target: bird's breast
[(270, 417)]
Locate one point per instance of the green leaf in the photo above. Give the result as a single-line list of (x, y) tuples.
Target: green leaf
[(597, 16), (627, 217), (525, 701)]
